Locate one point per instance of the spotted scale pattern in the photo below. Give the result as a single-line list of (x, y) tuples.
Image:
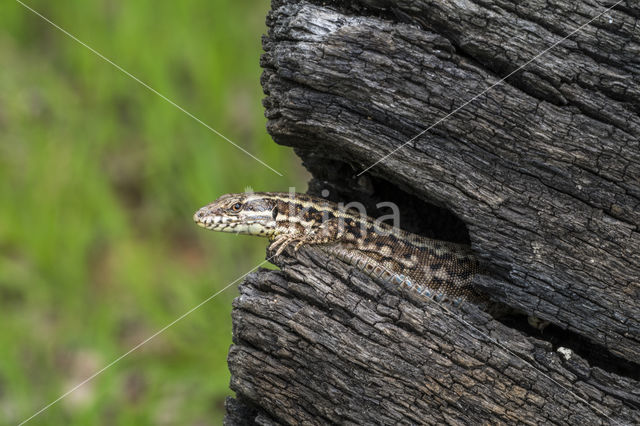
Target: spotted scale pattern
[(439, 270)]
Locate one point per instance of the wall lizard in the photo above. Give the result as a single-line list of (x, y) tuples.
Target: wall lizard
[(439, 270)]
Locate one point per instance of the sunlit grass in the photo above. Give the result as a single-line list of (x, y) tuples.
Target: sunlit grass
[(99, 179)]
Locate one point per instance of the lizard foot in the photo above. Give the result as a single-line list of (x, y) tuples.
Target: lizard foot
[(281, 242)]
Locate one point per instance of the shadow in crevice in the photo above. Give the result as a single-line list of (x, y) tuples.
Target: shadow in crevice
[(416, 215), (594, 354)]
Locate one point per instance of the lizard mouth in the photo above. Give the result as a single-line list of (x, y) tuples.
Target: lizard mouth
[(213, 222), (258, 225)]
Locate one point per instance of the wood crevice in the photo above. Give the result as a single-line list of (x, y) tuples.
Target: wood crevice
[(540, 175)]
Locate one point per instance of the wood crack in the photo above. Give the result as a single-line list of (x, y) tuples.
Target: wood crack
[(548, 191)]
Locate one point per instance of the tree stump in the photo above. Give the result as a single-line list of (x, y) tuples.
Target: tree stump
[(540, 173)]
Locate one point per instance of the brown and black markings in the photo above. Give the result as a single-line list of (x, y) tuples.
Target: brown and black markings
[(436, 269)]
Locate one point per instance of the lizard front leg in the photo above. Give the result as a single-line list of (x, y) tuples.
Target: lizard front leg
[(327, 232), (280, 242)]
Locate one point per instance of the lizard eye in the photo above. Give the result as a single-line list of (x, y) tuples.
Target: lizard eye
[(236, 207)]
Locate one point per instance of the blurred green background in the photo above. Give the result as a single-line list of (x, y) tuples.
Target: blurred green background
[(99, 179)]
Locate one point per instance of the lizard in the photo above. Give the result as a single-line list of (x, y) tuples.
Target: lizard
[(435, 269), (440, 270)]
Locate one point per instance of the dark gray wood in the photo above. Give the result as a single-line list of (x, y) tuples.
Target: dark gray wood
[(321, 343), (543, 170)]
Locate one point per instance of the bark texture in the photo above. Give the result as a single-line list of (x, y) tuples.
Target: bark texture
[(540, 173)]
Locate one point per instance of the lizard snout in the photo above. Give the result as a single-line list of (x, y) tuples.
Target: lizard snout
[(199, 217)]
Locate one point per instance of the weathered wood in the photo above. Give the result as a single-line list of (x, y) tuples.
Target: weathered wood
[(543, 169), (320, 342)]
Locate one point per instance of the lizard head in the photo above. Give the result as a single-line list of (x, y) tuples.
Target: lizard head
[(247, 213)]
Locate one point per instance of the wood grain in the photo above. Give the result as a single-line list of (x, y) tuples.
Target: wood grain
[(541, 173)]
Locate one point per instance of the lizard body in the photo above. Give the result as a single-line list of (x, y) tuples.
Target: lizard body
[(436, 269)]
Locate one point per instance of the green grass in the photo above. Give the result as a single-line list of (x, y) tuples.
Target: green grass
[(99, 179)]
